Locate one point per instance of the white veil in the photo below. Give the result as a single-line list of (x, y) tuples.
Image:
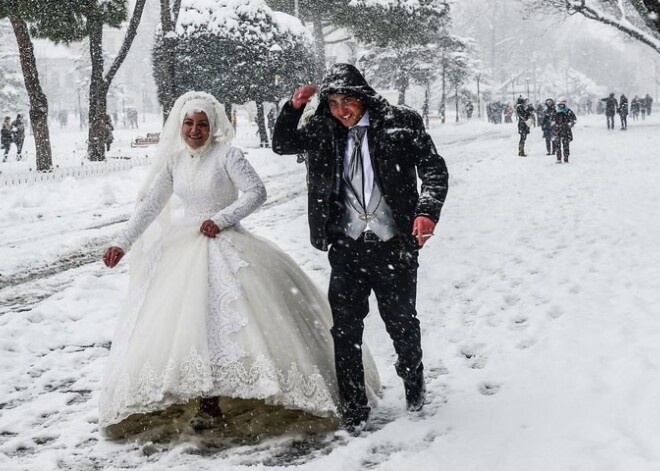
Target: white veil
[(171, 144)]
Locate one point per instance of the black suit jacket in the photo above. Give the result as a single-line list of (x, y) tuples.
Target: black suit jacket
[(400, 150)]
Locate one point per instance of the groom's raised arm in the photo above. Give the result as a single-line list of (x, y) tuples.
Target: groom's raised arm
[(287, 138)]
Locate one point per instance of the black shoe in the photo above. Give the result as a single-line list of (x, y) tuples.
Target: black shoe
[(566, 160), (415, 393), (205, 421), (354, 421)]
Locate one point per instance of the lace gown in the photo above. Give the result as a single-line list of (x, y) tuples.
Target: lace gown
[(230, 316)]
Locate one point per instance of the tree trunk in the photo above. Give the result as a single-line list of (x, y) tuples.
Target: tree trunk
[(263, 135), (99, 85), (443, 97), (425, 107), (97, 108), (402, 83), (38, 100), (401, 100), (168, 85), (319, 43)]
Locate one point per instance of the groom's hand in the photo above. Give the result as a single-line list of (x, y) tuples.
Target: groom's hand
[(303, 95), (423, 228), (209, 229)]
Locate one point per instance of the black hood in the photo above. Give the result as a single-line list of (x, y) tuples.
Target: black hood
[(346, 79)]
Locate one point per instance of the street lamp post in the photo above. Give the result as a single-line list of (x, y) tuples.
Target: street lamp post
[(144, 102), (527, 87), (478, 97), (80, 113)]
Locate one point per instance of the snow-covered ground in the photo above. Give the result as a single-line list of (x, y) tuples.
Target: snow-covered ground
[(539, 299)]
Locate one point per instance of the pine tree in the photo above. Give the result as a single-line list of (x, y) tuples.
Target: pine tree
[(402, 40), (240, 53)]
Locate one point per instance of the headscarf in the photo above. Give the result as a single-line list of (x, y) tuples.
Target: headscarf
[(171, 141)]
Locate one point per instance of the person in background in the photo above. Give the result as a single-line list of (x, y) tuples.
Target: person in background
[(623, 111), (6, 137), (109, 137), (565, 119), (18, 129), (524, 115), (364, 159), (649, 103), (469, 109), (611, 108), (634, 108), (547, 123)]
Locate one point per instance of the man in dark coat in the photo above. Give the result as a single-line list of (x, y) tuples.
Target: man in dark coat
[(623, 111), (524, 114), (611, 108), (547, 124), (564, 121), (365, 208)]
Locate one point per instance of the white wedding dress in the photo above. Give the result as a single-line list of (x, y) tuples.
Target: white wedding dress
[(231, 316)]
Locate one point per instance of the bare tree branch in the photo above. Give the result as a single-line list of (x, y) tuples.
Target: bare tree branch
[(131, 31)]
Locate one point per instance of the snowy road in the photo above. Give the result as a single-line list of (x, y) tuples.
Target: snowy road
[(538, 299)]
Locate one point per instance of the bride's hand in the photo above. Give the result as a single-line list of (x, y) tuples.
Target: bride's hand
[(209, 229), (112, 256)]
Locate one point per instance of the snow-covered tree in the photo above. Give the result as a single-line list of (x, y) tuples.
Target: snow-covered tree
[(639, 19), (58, 21), (402, 40), (97, 14), (324, 16), (169, 14), (239, 51), (66, 22), (13, 98)]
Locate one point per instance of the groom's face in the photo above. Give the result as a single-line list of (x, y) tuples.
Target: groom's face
[(346, 109)]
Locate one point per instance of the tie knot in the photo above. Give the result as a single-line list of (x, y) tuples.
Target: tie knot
[(358, 133)]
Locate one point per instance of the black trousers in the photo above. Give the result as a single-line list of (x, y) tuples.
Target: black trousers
[(563, 143), (389, 269), (610, 121)]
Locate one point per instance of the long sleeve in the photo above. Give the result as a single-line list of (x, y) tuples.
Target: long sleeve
[(432, 171), (147, 209), (253, 191), (287, 138)]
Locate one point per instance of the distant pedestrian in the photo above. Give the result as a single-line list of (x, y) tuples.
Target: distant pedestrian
[(6, 137), (109, 136), (271, 117), (524, 114), (469, 109), (642, 107), (564, 121), (634, 108), (508, 113), (623, 111), (649, 103), (547, 123), (18, 131), (611, 108)]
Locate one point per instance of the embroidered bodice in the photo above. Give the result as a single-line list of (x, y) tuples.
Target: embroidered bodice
[(218, 185)]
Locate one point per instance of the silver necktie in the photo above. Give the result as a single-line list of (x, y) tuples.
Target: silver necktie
[(355, 170)]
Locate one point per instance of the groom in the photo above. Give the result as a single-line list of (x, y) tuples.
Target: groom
[(364, 156)]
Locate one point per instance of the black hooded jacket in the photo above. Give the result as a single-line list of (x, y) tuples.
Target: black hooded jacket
[(399, 146)]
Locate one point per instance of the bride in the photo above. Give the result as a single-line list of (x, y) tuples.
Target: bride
[(213, 311)]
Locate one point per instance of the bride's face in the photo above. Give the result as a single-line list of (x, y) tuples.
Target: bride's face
[(195, 129)]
